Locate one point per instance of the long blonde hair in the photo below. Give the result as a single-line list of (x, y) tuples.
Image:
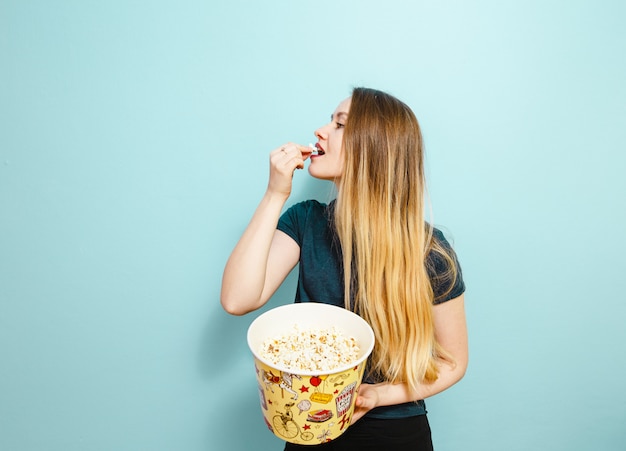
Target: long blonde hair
[(384, 238)]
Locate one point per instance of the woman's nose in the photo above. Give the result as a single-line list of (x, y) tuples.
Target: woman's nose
[(319, 133)]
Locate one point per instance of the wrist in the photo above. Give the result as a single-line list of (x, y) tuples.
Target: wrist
[(391, 394), (273, 196)]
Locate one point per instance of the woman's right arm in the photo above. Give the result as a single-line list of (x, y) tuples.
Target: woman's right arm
[(264, 256)]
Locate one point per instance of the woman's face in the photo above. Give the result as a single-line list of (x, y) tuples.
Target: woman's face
[(328, 164)]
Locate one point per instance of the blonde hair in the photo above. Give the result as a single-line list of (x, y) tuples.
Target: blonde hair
[(384, 238)]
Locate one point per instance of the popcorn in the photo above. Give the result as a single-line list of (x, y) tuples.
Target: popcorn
[(320, 350)]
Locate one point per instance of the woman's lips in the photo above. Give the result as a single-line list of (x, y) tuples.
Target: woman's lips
[(316, 150), (320, 150)]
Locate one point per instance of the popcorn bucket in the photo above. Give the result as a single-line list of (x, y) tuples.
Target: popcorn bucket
[(308, 407)]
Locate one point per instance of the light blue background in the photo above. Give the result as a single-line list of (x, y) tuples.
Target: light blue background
[(134, 139)]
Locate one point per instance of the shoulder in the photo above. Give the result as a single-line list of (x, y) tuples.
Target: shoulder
[(311, 209), (438, 237), (309, 205), (303, 216), (443, 268)]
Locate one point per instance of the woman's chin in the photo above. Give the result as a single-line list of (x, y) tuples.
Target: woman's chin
[(322, 175)]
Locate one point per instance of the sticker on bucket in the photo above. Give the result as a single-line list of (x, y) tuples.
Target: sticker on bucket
[(344, 399), (284, 382), (319, 396), (283, 424)]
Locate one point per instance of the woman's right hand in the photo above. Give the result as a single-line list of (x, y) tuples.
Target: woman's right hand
[(283, 163), (264, 256)]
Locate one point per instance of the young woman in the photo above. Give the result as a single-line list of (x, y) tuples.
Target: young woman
[(371, 251)]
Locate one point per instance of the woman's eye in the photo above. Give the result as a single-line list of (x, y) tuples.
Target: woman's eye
[(339, 125)]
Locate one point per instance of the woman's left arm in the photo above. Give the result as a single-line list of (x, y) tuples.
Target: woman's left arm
[(451, 333)]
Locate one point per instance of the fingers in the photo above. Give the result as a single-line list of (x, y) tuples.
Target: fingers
[(357, 414), (294, 150), (361, 407), (291, 155), (284, 160), (366, 400)]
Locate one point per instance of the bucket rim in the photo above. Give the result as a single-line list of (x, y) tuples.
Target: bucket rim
[(320, 306)]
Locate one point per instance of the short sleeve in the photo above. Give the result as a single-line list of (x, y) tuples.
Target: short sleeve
[(292, 221), (445, 273)]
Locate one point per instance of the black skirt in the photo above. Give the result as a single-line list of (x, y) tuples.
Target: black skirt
[(398, 434)]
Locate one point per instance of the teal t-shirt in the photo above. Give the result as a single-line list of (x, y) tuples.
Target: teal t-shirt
[(320, 277)]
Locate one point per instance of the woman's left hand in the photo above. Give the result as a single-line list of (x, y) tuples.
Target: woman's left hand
[(451, 332), (367, 398)]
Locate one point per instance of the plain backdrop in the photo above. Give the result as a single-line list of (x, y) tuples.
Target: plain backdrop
[(134, 142)]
